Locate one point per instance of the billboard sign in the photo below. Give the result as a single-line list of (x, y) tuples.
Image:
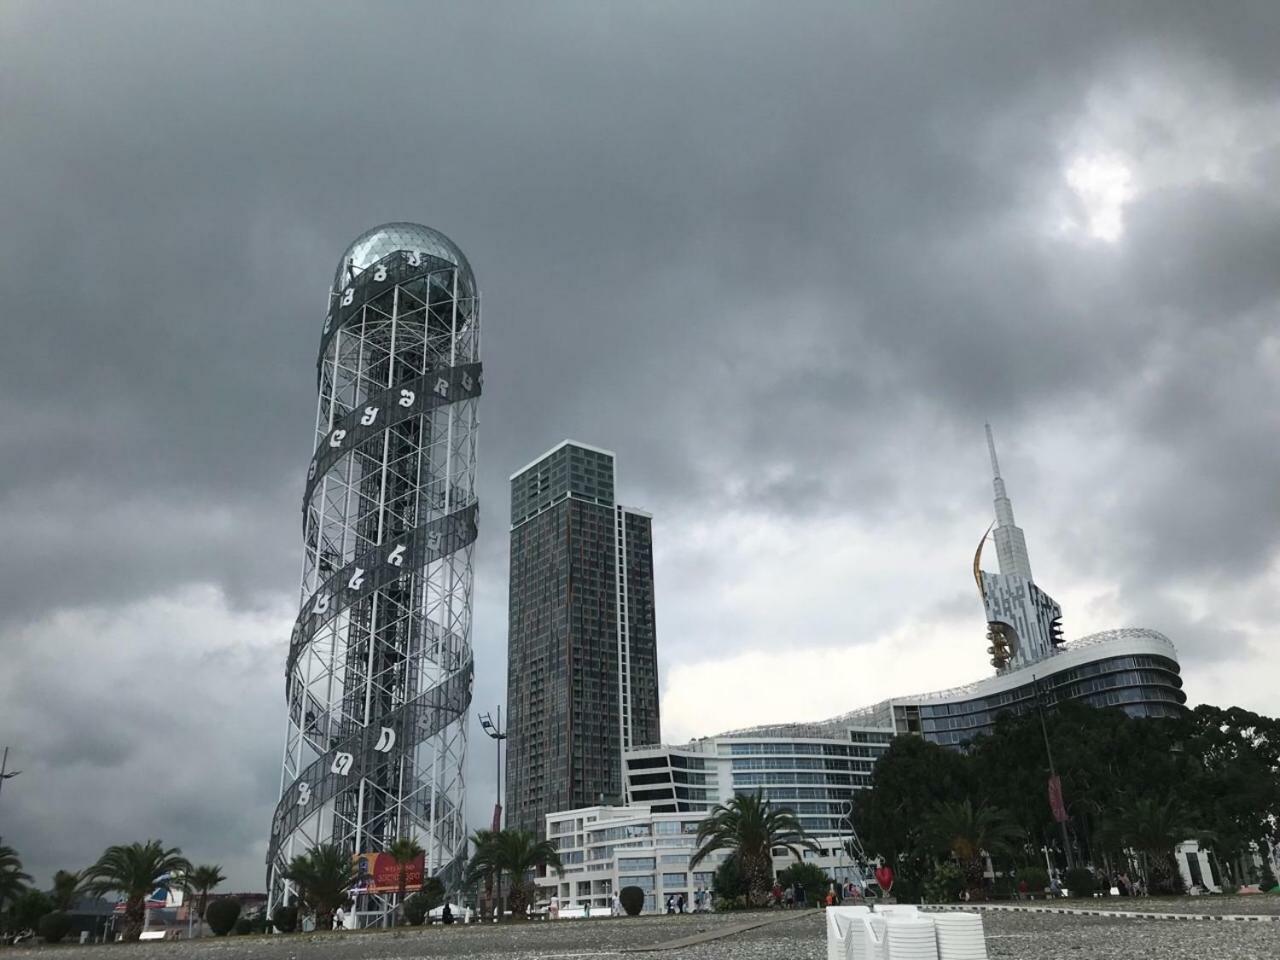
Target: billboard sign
[(379, 873)]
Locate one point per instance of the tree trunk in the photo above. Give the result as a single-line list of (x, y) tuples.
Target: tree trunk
[(134, 919), (404, 885), (518, 900), (759, 872)]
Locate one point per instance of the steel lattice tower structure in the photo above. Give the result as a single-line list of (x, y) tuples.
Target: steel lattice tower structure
[(379, 670)]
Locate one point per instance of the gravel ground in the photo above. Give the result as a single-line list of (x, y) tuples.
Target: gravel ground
[(1024, 936), (1250, 904), (531, 941)]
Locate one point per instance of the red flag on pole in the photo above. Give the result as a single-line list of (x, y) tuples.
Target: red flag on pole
[(1056, 804)]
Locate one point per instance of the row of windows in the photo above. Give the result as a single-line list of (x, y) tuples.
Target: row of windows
[(828, 749), (799, 763), (768, 779)]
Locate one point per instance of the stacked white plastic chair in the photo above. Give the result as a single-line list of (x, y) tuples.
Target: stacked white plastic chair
[(910, 937), (844, 923), (960, 936)]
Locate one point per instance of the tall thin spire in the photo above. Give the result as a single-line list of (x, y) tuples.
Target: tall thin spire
[(1011, 545)]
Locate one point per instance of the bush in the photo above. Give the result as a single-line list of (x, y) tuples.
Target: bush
[(1268, 882), (1079, 882), (944, 884), (415, 909), (1164, 878), (54, 926), (285, 918), (731, 903), (1037, 879), (243, 926), (906, 890), (1004, 888), (632, 900), (221, 915)]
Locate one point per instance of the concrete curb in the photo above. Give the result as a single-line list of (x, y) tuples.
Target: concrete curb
[(1126, 914), (706, 936)]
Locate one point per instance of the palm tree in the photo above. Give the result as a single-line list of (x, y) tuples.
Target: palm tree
[(1153, 828), (967, 832), (404, 852), (11, 875), (751, 827), (323, 875), (134, 870), (66, 889), (516, 852), (201, 881)]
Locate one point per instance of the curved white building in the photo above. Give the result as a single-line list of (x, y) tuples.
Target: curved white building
[(813, 767)]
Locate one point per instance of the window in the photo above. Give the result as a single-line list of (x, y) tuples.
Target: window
[(675, 880), (643, 882), (636, 863)]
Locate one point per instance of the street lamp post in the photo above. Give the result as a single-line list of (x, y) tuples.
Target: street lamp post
[(493, 728), (1053, 773), (497, 734), (5, 772)]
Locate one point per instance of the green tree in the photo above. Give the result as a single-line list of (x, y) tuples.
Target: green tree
[(513, 852), (12, 879), (26, 909), (404, 852), (134, 870), (729, 884), (1153, 827), (201, 881), (66, 890), (424, 901), (966, 832), (752, 828), (908, 782), (322, 875)]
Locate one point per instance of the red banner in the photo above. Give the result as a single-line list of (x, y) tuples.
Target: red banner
[(1056, 803), (381, 874)]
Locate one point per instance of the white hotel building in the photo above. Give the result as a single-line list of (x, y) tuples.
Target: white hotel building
[(648, 843)]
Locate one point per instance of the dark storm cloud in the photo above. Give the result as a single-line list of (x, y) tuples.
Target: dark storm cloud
[(783, 260)]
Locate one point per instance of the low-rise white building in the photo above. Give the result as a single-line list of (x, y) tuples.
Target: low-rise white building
[(604, 849)]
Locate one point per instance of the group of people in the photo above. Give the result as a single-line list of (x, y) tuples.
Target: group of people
[(676, 903), (795, 895)]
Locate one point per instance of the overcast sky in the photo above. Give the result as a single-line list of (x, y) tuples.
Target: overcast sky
[(784, 259)]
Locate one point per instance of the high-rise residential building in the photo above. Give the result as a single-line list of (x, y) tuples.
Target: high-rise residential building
[(379, 668), (582, 672)]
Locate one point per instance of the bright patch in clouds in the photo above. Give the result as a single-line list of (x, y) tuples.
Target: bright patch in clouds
[(1102, 185)]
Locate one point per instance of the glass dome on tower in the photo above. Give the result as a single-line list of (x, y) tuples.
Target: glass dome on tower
[(372, 245)]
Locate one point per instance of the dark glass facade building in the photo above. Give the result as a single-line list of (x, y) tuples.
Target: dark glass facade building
[(582, 680)]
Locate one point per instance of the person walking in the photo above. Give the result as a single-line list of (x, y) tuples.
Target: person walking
[(446, 915), (616, 909), (798, 891)]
